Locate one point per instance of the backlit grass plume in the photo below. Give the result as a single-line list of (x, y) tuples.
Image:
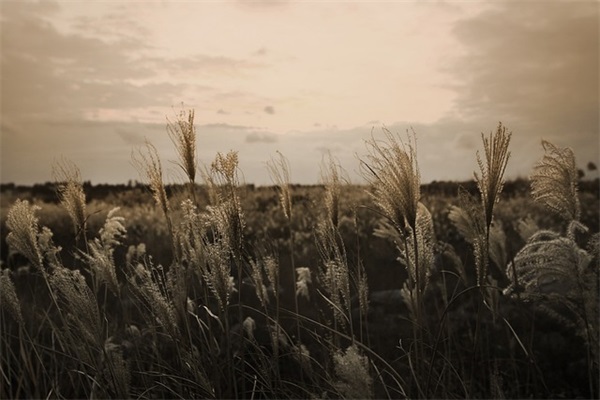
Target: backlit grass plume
[(79, 307), (149, 165), (183, 135), (330, 176), (100, 257), (554, 182), (70, 191), (23, 226), (391, 168), (8, 297), (491, 180), (393, 172), (352, 372), (561, 279), (279, 169)]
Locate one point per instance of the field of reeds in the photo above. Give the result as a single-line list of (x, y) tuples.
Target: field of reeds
[(217, 289)]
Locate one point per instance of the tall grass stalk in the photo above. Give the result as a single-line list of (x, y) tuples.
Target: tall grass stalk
[(392, 170), (490, 182), (148, 164), (183, 135), (279, 170)]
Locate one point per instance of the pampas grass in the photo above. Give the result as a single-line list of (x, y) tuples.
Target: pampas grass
[(490, 179), (554, 182), (23, 226), (182, 133), (116, 323), (9, 300), (71, 194)]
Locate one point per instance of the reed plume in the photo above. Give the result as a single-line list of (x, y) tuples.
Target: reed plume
[(392, 170), (491, 180), (352, 372), (183, 135), (279, 170), (71, 193), (148, 164), (23, 226), (330, 176), (79, 307), (9, 300), (100, 257), (554, 182)]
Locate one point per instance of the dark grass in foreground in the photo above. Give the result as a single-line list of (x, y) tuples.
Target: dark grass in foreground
[(225, 291)]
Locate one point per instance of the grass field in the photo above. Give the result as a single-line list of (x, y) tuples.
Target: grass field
[(486, 289)]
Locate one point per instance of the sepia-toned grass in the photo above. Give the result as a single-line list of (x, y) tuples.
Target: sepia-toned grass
[(337, 291)]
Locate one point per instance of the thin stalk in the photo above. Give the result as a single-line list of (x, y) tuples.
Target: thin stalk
[(292, 263)]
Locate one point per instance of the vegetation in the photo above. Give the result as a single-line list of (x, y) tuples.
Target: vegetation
[(224, 290)]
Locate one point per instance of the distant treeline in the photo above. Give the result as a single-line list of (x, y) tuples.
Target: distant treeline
[(46, 192)]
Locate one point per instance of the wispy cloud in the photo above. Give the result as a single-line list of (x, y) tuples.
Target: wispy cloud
[(257, 137), (533, 66)]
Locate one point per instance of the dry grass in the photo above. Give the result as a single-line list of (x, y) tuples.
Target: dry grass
[(218, 322)]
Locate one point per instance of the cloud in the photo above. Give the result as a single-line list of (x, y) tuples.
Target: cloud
[(534, 66), (48, 74), (269, 110), (220, 111), (225, 127), (256, 137), (205, 64), (261, 52), (132, 138), (263, 4)]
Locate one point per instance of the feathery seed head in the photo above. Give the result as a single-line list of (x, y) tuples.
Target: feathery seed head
[(554, 182), (392, 169), (352, 371), (70, 191), (279, 169), (249, 326), (23, 226), (149, 165), (183, 135), (491, 180), (304, 278), (225, 167), (272, 270), (8, 297), (330, 176)]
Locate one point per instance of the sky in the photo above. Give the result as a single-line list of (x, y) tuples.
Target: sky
[(91, 81)]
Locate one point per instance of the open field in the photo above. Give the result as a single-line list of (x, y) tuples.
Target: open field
[(225, 290)]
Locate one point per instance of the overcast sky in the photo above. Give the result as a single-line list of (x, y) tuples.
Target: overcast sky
[(91, 80)]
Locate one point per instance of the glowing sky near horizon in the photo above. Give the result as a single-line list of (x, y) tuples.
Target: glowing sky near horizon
[(92, 80)]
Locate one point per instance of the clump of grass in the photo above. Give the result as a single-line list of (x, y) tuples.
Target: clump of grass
[(71, 193), (551, 270), (172, 333)]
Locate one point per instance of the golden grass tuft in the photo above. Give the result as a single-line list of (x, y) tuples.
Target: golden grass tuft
[(71, 193)]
